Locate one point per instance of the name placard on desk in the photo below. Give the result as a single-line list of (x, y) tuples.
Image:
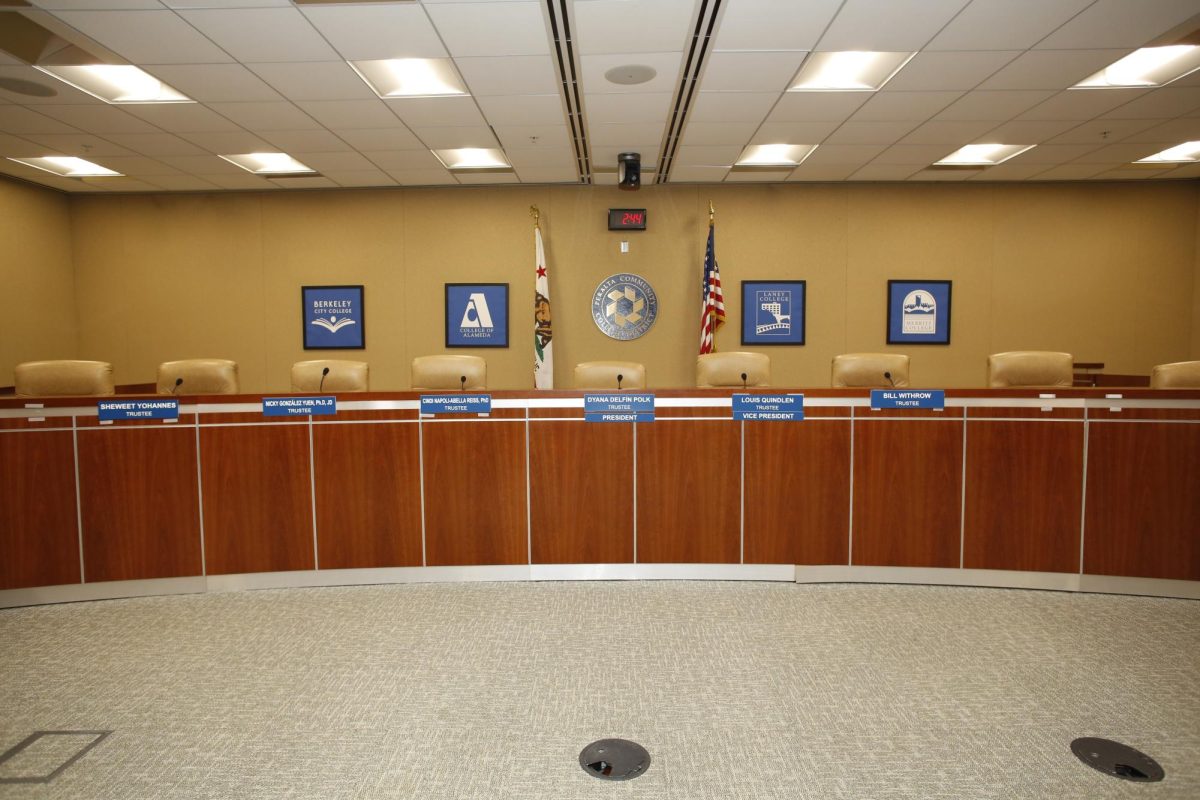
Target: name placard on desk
[(768, 407), (298, 406), (618, 407), (908, 398), (456, 404), (109, 410)]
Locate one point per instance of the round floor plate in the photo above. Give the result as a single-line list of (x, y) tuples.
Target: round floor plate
[(614, 759), (1116, 759)]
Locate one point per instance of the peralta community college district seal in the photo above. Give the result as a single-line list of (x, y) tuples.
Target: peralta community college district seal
[(624, 306)]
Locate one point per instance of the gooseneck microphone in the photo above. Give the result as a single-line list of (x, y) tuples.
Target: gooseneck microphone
[(620, 378), (743, 381), (324, 372), (888, 375), (178, 383), (462, 383)]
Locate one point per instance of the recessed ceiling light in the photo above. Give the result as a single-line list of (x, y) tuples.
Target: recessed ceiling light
[(1150, 66), (270, 164), (1185, 153), (68, 166), (475, 159), (411, 77), (848, 71), (983, 155), (117, 83), (774, 155)]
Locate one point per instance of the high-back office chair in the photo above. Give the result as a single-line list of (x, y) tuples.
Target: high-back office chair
[(1180, 375), (870, 370), (733, 369), (63, 379), (610, 375), (330, 375), (1030, 368), (198, 376), (443, 373)]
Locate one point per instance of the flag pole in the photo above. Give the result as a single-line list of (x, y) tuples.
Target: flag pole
[(712, 312)]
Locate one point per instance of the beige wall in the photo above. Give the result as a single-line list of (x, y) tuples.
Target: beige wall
[(1196, 295), (1105, 271), (37, 288)]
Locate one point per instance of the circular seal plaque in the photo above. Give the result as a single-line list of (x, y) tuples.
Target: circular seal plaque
[(624, 306)]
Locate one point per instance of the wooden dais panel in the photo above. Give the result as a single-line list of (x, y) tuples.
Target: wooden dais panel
[(39, 530)]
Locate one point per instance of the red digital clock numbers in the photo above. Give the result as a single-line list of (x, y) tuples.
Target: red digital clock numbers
[(633, 218), (627, 219)]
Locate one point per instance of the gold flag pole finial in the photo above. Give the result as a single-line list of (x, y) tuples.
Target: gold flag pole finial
[(712, 212), (537, 216)]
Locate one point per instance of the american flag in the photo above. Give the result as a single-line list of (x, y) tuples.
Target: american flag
[(713, 310)]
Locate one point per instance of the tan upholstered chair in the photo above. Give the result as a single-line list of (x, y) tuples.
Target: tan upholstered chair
[(338, 375), (1180, 375), (198, 376), (1030, 368), (443, 373), (63, 379), (603, 375), (870, 370), (727, 369)]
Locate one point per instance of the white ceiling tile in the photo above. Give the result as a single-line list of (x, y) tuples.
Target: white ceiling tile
[(428, 112), (529, 109), (139, 166), (1008, 171), (1159, 103), (823, 172), (344, 160), (548, 175), (183, 118), (918, 154), (1184, 171), (377, 31), (215, 82), (1081, 104), (1070, 172), (98, 119), (618, 133), (508, 75), (707, 155), (1104, 131), (184, 183), (1184, 129), (944, 175), (559, 158), (792, 25), (1005, 24), (533, 135), (122, 184), (627, 107), (156, 144), (18, 147), (262, 34), (666, 65), (1053, 153), (244, 180), (888, 25), (996, 106), (633, 26), (227, 141), (606, 157), (1051, 69), (442, 138), (64, 93), (74, 144), (904, 106), (60, 5), (360, 178), (943, 132), (280, 116), (732, 106), (934, 71), (398, 138), (843, 154), (870, 132), (346, 114), (315, 80), (698, 174), (818, 106), (793, 132), (491, 29), (304, 183), (184, 4), (884, 172), (392, 160), (14, 119), (1118, 154), (609, 179), (483, 178), (304, 141), (1120, 23), (757, 177), (1027, 131), (718, 132), (203, 165), (422, 177), (147, 37), (750, 72)]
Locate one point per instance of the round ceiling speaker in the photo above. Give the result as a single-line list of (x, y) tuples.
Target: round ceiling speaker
[(631, 74)]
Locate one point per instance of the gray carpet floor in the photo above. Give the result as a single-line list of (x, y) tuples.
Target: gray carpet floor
[(491, 690)]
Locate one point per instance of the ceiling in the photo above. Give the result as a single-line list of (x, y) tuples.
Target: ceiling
[(271, 75)]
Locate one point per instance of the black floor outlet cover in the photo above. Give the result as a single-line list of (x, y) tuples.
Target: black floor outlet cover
[(1116, 759), (614, 759)]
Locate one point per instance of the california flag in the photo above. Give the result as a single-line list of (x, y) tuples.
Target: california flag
[(543, 353)]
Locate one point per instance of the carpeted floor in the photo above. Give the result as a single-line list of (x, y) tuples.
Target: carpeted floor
[(491, 690)]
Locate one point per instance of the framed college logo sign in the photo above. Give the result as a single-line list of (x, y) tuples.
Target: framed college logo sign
[(773, 312), (918, 312), (476, 315), (333, 317)]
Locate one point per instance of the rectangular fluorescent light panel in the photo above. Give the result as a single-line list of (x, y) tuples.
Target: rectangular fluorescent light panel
[(774, 155), (473, 158), (67, 166), (411, 77), (1150, 66), (984, 155), (270, 164), (117, 83), (1185, 153), (848, 71)]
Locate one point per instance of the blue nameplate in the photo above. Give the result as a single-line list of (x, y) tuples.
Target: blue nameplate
[(137, 409), (618, 407), (456, 404), (768, 407), (908, 398), (298, 406)]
